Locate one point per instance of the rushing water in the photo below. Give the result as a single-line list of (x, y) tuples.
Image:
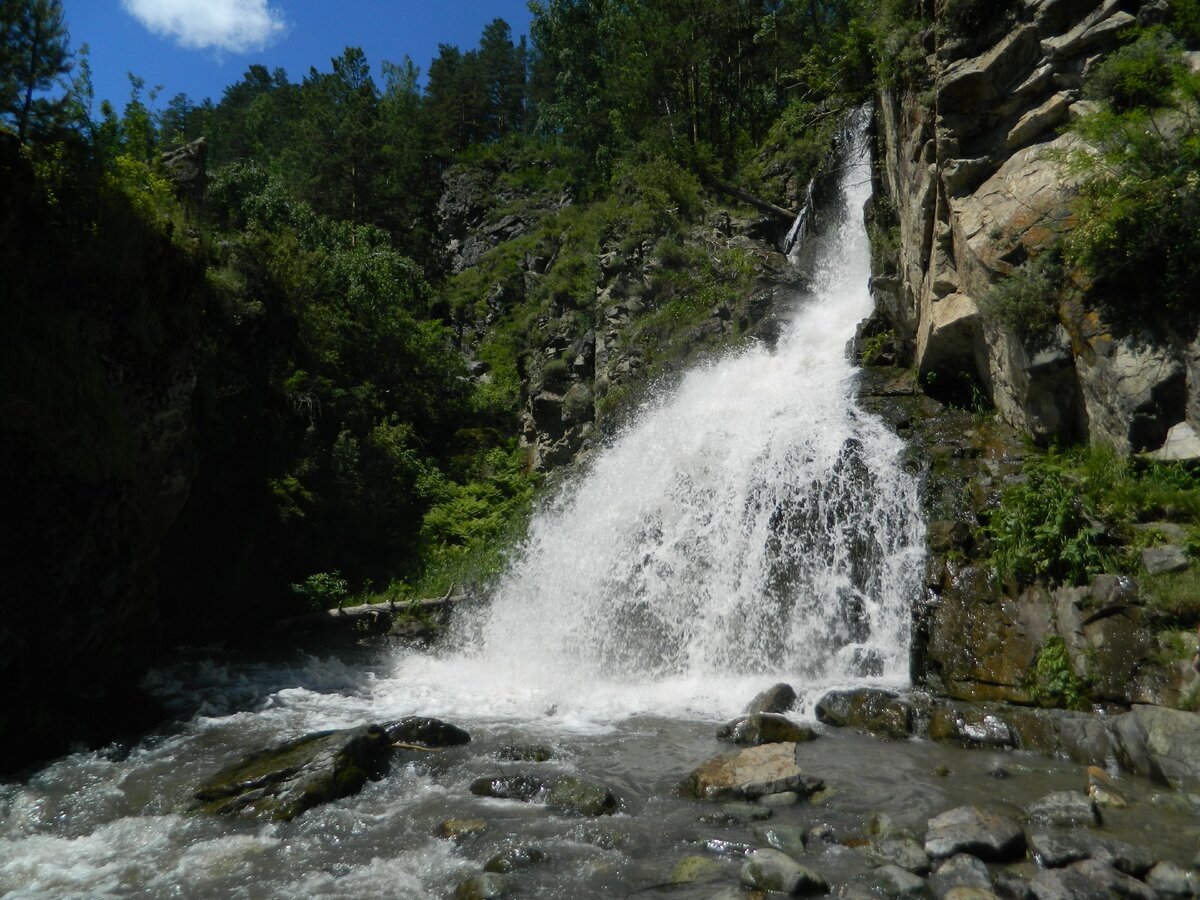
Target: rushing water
[(751, 527)]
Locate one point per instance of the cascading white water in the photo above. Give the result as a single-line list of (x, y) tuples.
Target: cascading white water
[(753, 523)]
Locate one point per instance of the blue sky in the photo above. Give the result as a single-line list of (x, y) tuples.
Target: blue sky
[(198, 47)]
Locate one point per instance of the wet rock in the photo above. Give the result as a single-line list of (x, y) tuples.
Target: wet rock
[(1089, 880), (518, 753), (1172, 880), (955, 724), (692, 869), (971, 830), (752, 773), (898, 849), (881, 713), (771, 870), (285, 781), (1066, 809), (581, 797), (744, 811), (789, 839), (894, 881), (484, 887), (460, 829), (509, 787), (1013, 885), (1161, 743), (1053, 851), (514, 859), (764, 728), (426, 732), (779, 698), (782, 799), (960, 871)]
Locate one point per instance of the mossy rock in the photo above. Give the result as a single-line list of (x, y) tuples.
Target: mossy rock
[(285, 781)]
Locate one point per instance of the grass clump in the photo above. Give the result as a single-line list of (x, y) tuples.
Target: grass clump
[(1054, 682), (1026, 301)]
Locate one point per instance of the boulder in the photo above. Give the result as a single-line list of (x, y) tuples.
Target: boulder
[(878, 712), (898, 849), (1089, 880), (789, 839), (752, 773), (1161, 743), (894, 881), (968, 829), (771, 870), (484, 887), (779, 698), (764, 728), (1053, 851), (1172, 880), (567, 793), (1163, 558), (514, 859), (960, 871), (285, 781), (425, 732), (1065, 809)]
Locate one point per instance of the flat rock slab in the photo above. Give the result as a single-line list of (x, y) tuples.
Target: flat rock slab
[(283, 782), (752, 773), (968, 829)]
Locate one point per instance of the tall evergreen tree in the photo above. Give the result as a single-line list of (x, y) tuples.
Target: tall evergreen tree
[(33, 54)]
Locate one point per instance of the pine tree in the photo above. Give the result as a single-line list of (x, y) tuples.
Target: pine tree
[(33, 54)]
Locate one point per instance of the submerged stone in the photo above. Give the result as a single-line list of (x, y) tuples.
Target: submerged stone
[(484, 887), (691, 869), (460, 829), (283, 782), (514, 859), (425, 732), (752, 773), (566, 793), (789, 839), (1066, 809)]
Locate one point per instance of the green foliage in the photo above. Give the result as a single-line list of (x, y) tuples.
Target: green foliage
[(1054, 682), (1139, 74), (1176, 595), (1135, 239), (1045, 527), (873, 347), (323, 590), (1026, 300), (1072, 515)]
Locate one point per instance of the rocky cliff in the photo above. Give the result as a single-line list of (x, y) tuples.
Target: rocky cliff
[(972, 165)]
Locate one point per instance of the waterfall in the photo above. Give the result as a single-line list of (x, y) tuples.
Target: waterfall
[(753, 524)]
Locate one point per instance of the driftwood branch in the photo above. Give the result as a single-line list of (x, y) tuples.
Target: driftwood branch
[(758, 203), (334, 618)]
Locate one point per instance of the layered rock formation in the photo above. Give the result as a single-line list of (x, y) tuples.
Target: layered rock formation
[(973, 166)]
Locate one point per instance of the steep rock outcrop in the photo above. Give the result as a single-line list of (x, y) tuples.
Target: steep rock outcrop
[(973, 166)]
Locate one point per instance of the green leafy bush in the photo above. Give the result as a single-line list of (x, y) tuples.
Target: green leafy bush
[(1054, 682), (1026, 300), (323, 590), (1141, 73), (1045, 527)]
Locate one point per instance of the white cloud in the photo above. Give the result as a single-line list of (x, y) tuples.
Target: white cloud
[(233, 25)]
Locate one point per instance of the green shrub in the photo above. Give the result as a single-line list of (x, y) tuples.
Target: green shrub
[(323, 590), (1045, 527), (1026, 300), (1054, 682), (1139, 74)]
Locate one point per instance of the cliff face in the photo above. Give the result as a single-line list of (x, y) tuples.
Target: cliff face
[(973, 167)]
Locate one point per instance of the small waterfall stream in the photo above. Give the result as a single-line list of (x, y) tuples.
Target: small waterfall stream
[(752, 526)]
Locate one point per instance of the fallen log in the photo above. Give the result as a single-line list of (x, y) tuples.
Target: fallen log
[(758, 203), (369, 612)]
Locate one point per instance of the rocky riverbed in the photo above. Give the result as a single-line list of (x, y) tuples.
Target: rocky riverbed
[(574, 801)]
